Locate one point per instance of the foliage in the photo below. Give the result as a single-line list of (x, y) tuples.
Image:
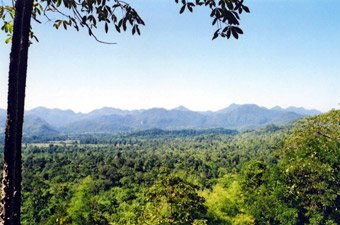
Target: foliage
[(268, 176), (225, 202), (303, 187), (171, 200), (7, 13), (311, 169), (225, 14), (120, 15)]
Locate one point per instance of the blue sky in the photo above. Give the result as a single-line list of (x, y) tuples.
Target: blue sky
[(289, 55)]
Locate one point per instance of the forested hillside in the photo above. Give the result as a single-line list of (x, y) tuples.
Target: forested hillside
[(273, 175)]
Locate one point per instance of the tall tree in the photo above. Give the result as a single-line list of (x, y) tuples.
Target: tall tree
[(11, 196), (310, 169), (74, 13)]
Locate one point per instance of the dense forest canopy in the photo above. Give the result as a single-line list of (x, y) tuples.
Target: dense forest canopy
[(273, 175)]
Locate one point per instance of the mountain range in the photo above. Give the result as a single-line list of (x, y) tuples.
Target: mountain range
[(45, 121)]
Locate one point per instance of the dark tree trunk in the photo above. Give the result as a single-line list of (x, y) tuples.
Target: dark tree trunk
[(11, 190)]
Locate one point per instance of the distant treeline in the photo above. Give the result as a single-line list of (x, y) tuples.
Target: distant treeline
[(107, 138)]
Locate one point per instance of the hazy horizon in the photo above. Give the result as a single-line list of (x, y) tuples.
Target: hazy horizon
[(170, 108), (288, 56)]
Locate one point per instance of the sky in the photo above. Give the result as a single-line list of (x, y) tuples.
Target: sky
[(289, 55)]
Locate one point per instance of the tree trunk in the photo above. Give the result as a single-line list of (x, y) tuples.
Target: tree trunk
[(11, 190)]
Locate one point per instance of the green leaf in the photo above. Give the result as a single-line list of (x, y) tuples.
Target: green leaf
[(238, 30), (182, 9), (8, 40), (233, 31), (245, 8), (216, 34)]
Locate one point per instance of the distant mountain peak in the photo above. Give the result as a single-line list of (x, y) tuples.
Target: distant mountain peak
[(41, 109), (234, 105), (105, 110), (181, 108), (278, 108), (230, 108), (298, 110), (303, 111)]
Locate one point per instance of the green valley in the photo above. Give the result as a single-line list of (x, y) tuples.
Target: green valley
[(272, 175)]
